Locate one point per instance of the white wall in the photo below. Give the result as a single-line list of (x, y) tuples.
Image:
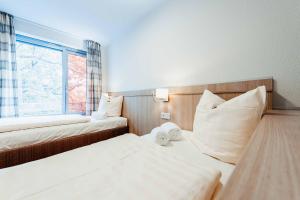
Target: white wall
[(38, 31), (203, 41)]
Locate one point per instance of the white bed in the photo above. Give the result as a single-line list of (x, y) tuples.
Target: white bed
[(187, 150), (126, 167), (28, 136)]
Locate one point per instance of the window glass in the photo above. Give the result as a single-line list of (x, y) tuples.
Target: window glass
[(51, 77), (39, 79), (76, 83)]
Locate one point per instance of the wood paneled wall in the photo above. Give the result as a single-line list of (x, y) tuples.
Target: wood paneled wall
[(143, 113)]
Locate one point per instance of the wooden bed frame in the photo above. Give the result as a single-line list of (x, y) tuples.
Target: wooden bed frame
[(270, 165), (143, 113), (42, 150)]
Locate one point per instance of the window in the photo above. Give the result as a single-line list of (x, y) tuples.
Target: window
[(51, 78), (76, 83), (39, 79)]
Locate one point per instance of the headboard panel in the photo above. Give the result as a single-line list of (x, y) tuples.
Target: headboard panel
[(143, 112)]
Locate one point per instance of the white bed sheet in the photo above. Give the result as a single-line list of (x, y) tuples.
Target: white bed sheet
[(186, 149), (16, 139), (125, 167), (23, 123)]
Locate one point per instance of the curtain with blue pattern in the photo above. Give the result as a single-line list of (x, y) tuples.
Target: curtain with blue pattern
[(8, 67), (94, 76)]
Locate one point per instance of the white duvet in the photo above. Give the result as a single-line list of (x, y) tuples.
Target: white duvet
[(22, 123), (21, 138), (125, 167)]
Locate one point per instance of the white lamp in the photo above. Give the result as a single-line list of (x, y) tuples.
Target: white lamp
[(162, 94)]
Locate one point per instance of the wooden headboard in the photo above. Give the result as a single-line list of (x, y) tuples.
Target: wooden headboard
[(143, 113)]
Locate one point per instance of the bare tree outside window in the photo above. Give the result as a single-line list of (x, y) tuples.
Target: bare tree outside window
[(44, 88), (40, 80)]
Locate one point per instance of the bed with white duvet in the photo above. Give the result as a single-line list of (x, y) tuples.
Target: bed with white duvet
[(24, 131), (125, 167)]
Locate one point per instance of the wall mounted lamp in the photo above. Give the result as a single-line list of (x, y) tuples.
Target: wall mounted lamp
[(161, 94)]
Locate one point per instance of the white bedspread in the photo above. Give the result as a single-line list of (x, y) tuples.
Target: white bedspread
[(188, 151), (125, 167), (22, 123), (21, 138)]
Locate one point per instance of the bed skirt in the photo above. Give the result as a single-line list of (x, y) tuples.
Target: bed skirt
[(38, 151)]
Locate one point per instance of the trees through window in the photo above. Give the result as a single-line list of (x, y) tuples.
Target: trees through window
[(51, 78)]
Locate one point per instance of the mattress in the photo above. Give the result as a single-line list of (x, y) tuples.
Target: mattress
[(124, 167), (23, 123), (187, 150), (21, 138)]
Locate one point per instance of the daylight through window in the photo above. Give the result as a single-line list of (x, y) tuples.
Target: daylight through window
[(51, 80)]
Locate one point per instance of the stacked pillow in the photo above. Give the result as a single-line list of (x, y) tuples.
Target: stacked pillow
[(109, 106), (223, 128)]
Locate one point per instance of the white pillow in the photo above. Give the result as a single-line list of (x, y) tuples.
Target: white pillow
[(223, 128), (111, 106)]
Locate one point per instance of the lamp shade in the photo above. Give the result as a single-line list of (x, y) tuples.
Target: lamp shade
[(162, 94)]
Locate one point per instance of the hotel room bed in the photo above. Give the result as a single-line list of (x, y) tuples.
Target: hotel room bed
[(24, 144), (16, 139), (124, 167)]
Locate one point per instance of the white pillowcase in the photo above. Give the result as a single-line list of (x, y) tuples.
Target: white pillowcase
[(223, 128), (111, 106)]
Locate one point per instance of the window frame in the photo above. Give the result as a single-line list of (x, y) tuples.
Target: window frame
[(65, 52)]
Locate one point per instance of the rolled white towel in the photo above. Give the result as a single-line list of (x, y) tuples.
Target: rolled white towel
[(172, 130), (98, 115), (161, 137)]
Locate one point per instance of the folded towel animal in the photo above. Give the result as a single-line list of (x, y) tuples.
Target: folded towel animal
[(161, 137), (98, 115), (172, 130)]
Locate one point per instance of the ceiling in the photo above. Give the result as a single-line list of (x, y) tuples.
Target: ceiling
[(100, 20)]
